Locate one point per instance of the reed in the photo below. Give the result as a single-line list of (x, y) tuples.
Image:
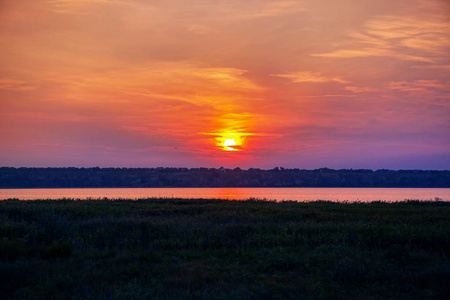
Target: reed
[(216, 249)]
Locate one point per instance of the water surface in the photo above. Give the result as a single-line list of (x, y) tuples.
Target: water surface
[(278, 194)]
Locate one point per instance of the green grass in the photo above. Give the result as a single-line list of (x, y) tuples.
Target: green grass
[(216, 249)]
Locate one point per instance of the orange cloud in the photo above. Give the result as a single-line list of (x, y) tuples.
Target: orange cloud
[(309, 77)]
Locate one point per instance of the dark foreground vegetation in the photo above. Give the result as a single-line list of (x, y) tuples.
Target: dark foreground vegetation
[(215, 249), (210, 177)]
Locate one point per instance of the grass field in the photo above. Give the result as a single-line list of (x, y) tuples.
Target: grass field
[(216, 249)]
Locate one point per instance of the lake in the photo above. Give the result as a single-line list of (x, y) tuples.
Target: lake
[(278, 194)]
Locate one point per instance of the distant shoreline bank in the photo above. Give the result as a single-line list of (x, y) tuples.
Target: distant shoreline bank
[(222, 177)]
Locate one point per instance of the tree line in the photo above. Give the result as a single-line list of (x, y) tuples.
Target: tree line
[(221, 177)]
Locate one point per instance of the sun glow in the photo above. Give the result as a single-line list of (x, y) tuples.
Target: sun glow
[(230, 142)]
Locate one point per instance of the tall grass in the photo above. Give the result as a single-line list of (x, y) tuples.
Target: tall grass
[(215, 249)]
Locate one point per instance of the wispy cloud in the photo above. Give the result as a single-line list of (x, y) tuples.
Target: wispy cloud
[(309, 77), (276, 8), (185, 81), (422, 86), (72, 6), (15, 85), (432, 67), (405, 38), (361, 89), (254, 9)]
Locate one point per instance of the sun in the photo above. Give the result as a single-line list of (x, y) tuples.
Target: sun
[(228, 144), (230, 141)]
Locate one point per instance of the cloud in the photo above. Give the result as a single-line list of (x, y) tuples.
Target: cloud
[(73, 6), (251, 9), (432, 67), (423, 86), (359, 89), (309, 77), (368, 52), (15, 85), (184, 81), (412, 38), (277, 8), (178, 100)]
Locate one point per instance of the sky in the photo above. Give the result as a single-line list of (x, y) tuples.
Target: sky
[(209, 83)]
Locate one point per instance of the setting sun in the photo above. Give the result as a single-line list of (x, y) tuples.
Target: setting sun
[(228, 143)]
